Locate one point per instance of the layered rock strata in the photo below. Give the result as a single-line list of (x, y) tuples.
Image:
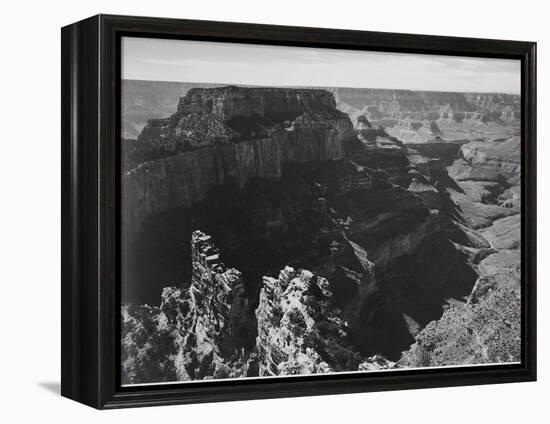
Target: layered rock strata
[(229, 135)]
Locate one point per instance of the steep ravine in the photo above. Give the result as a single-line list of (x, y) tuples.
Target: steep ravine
[(486, 327)]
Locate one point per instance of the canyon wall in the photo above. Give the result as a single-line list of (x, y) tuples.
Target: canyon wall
[(316, 133), (184, 179)]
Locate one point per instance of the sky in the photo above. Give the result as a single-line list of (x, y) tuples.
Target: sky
[(247, 64)]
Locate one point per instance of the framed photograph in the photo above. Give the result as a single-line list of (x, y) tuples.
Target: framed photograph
[(253, 211)]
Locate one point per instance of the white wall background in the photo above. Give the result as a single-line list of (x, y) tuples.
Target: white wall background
[(30, 212)]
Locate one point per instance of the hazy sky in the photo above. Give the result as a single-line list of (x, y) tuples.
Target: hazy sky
[(210, 62)]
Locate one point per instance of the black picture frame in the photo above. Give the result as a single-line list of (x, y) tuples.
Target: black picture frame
[(90, 211)]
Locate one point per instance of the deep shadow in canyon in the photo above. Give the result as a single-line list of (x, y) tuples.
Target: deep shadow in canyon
[(270, 224)]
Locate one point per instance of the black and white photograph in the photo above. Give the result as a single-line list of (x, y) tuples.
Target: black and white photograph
[(291, 211), (274, 212), (246, 212)]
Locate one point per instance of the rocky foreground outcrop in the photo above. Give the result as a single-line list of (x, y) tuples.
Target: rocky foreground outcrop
[(189, 337), (300, 331), (184, 338)]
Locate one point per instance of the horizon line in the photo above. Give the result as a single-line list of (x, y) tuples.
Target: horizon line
[(323, 86)]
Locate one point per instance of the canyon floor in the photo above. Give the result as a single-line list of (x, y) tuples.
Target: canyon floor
[(293, 231)]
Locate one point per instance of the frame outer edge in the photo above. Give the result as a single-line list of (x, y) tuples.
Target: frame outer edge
[(80, 374), (530, 280), (89, 199)]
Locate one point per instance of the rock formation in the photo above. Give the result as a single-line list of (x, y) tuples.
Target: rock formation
[(190, 331), (300, 330), (297, 331), (229, 134)]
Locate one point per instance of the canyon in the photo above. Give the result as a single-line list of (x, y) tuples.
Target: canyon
[(284, 231)]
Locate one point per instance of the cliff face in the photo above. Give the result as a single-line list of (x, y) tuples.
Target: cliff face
[(241, 134), (217, 116)]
